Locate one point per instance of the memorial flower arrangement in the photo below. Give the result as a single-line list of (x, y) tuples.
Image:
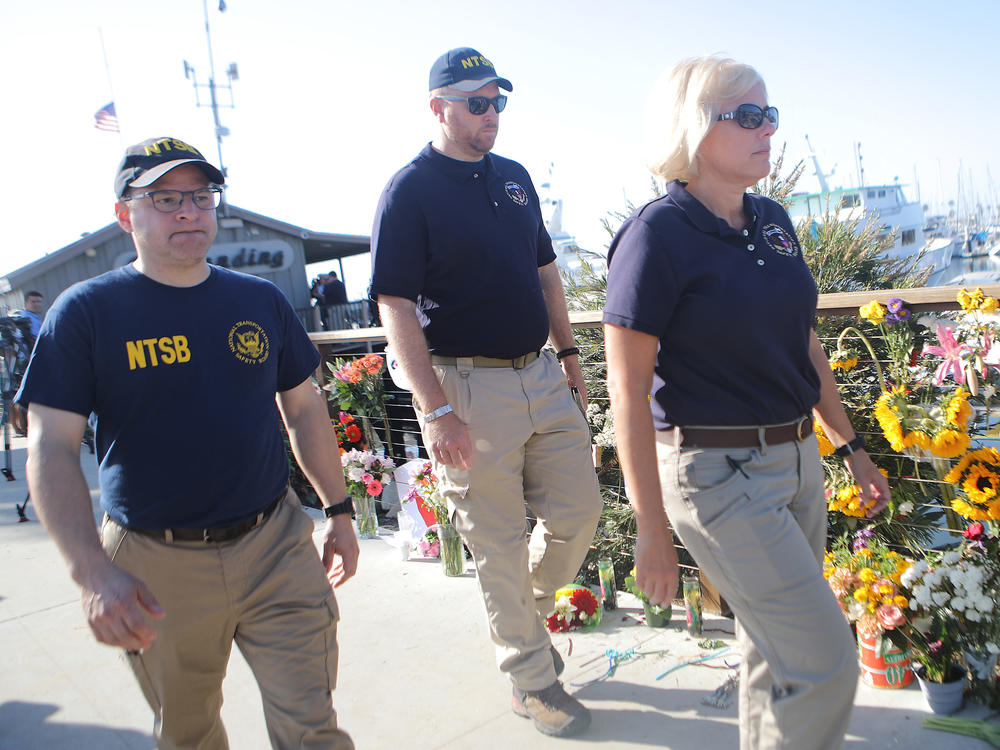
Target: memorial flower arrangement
[(953, 602), (576, 607), (366, 474), (424, 490), (355, 386), (865, 577)]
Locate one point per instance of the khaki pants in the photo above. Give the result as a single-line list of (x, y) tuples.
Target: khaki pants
[(268, 592), (760, 538), (531, 445)]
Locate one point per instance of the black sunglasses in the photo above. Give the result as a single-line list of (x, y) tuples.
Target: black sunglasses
[(478, 105), (750, 116)]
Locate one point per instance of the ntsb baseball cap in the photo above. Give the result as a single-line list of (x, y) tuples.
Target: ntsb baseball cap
[(146, 162), (466, 70)]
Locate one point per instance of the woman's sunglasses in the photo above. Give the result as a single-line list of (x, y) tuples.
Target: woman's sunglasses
[(750, 116), (478, 105)]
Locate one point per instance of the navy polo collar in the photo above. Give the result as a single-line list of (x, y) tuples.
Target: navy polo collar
[(701, 217), (455, 168)]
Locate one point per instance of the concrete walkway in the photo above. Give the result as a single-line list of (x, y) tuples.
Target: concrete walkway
[(416, 668)]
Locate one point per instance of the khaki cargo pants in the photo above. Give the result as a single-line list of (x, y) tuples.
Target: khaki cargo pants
[(759, 533), (531, 445), (268, 592)]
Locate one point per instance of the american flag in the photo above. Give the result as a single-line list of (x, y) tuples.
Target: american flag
[(105, 118)]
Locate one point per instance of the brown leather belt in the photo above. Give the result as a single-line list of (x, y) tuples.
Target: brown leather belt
[(518, 363), (221, 534), (745, 437)]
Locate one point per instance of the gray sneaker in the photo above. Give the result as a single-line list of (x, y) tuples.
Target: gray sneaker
[(554, 711)]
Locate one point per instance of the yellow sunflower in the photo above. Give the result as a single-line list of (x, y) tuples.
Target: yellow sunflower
[(949, 443)]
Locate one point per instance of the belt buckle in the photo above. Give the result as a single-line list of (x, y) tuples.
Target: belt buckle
[(801, 431), (519, 363)]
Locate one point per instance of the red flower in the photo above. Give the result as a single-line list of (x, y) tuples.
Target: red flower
[(584, 601), (353, 433), (556, 624), (974, 531)]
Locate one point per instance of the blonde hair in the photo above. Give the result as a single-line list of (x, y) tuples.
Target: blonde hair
[(683, 107)]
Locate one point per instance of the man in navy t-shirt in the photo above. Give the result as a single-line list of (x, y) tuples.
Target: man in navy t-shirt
[(187, 367), (464, 274)]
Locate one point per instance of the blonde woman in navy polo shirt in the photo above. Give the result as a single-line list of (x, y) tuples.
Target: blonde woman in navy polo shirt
[(715, 374)]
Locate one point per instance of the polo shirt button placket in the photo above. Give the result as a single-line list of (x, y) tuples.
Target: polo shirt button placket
[(751, 247)]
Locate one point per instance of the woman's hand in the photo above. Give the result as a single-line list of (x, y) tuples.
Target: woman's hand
[(874, 486), (656, 568)]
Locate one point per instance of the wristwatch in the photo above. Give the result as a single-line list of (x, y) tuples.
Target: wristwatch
[(344, 506), (850, 447)]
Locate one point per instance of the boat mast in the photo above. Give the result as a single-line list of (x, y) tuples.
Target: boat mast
[(823, 186)]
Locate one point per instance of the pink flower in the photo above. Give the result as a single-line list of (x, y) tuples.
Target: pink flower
[(890, 616), (952, 354), (367, 478), (374, 488), (974, 531)]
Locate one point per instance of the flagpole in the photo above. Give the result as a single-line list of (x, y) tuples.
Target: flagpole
[(111, 88)]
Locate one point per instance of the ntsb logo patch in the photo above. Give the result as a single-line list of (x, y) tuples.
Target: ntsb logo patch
[(781, 240), (249, 343), (516, 193)]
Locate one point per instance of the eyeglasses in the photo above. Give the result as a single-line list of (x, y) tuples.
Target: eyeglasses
[(751, 117), (168, 201), (478, 105)]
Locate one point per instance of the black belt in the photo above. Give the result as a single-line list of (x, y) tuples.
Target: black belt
[(745, 437), (221, 534)]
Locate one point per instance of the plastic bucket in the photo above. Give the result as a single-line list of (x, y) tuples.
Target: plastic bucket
[(889, 671)]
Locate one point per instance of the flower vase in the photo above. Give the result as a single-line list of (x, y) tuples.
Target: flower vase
[(364, 515), (885, 668), (452, 550), (656, 617), (943, 697)]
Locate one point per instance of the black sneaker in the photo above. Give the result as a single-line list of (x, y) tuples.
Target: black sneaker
[(554, 711)]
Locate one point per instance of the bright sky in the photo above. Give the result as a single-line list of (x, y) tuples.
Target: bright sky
[(332, 97)]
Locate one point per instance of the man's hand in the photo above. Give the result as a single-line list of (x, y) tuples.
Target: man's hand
[(874, 486), (116, 606), (339, 539), (656, 567), (447, 441), (574, 377)]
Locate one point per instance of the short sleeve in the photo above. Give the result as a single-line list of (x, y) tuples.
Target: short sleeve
[(61, 371), (298, 357), (399, 244), (642, 287)]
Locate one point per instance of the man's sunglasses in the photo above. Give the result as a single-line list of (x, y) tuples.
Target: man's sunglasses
[(478, 105), (751, 117)]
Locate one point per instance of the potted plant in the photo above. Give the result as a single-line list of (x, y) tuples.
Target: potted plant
[(954, 609), (864, 575), (656, 616)]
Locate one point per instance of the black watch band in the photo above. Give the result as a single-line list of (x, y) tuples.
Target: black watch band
[(344, 506), (850, 447)]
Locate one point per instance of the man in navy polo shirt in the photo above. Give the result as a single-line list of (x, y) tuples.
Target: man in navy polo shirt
[(187, 366), (468, 290)]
